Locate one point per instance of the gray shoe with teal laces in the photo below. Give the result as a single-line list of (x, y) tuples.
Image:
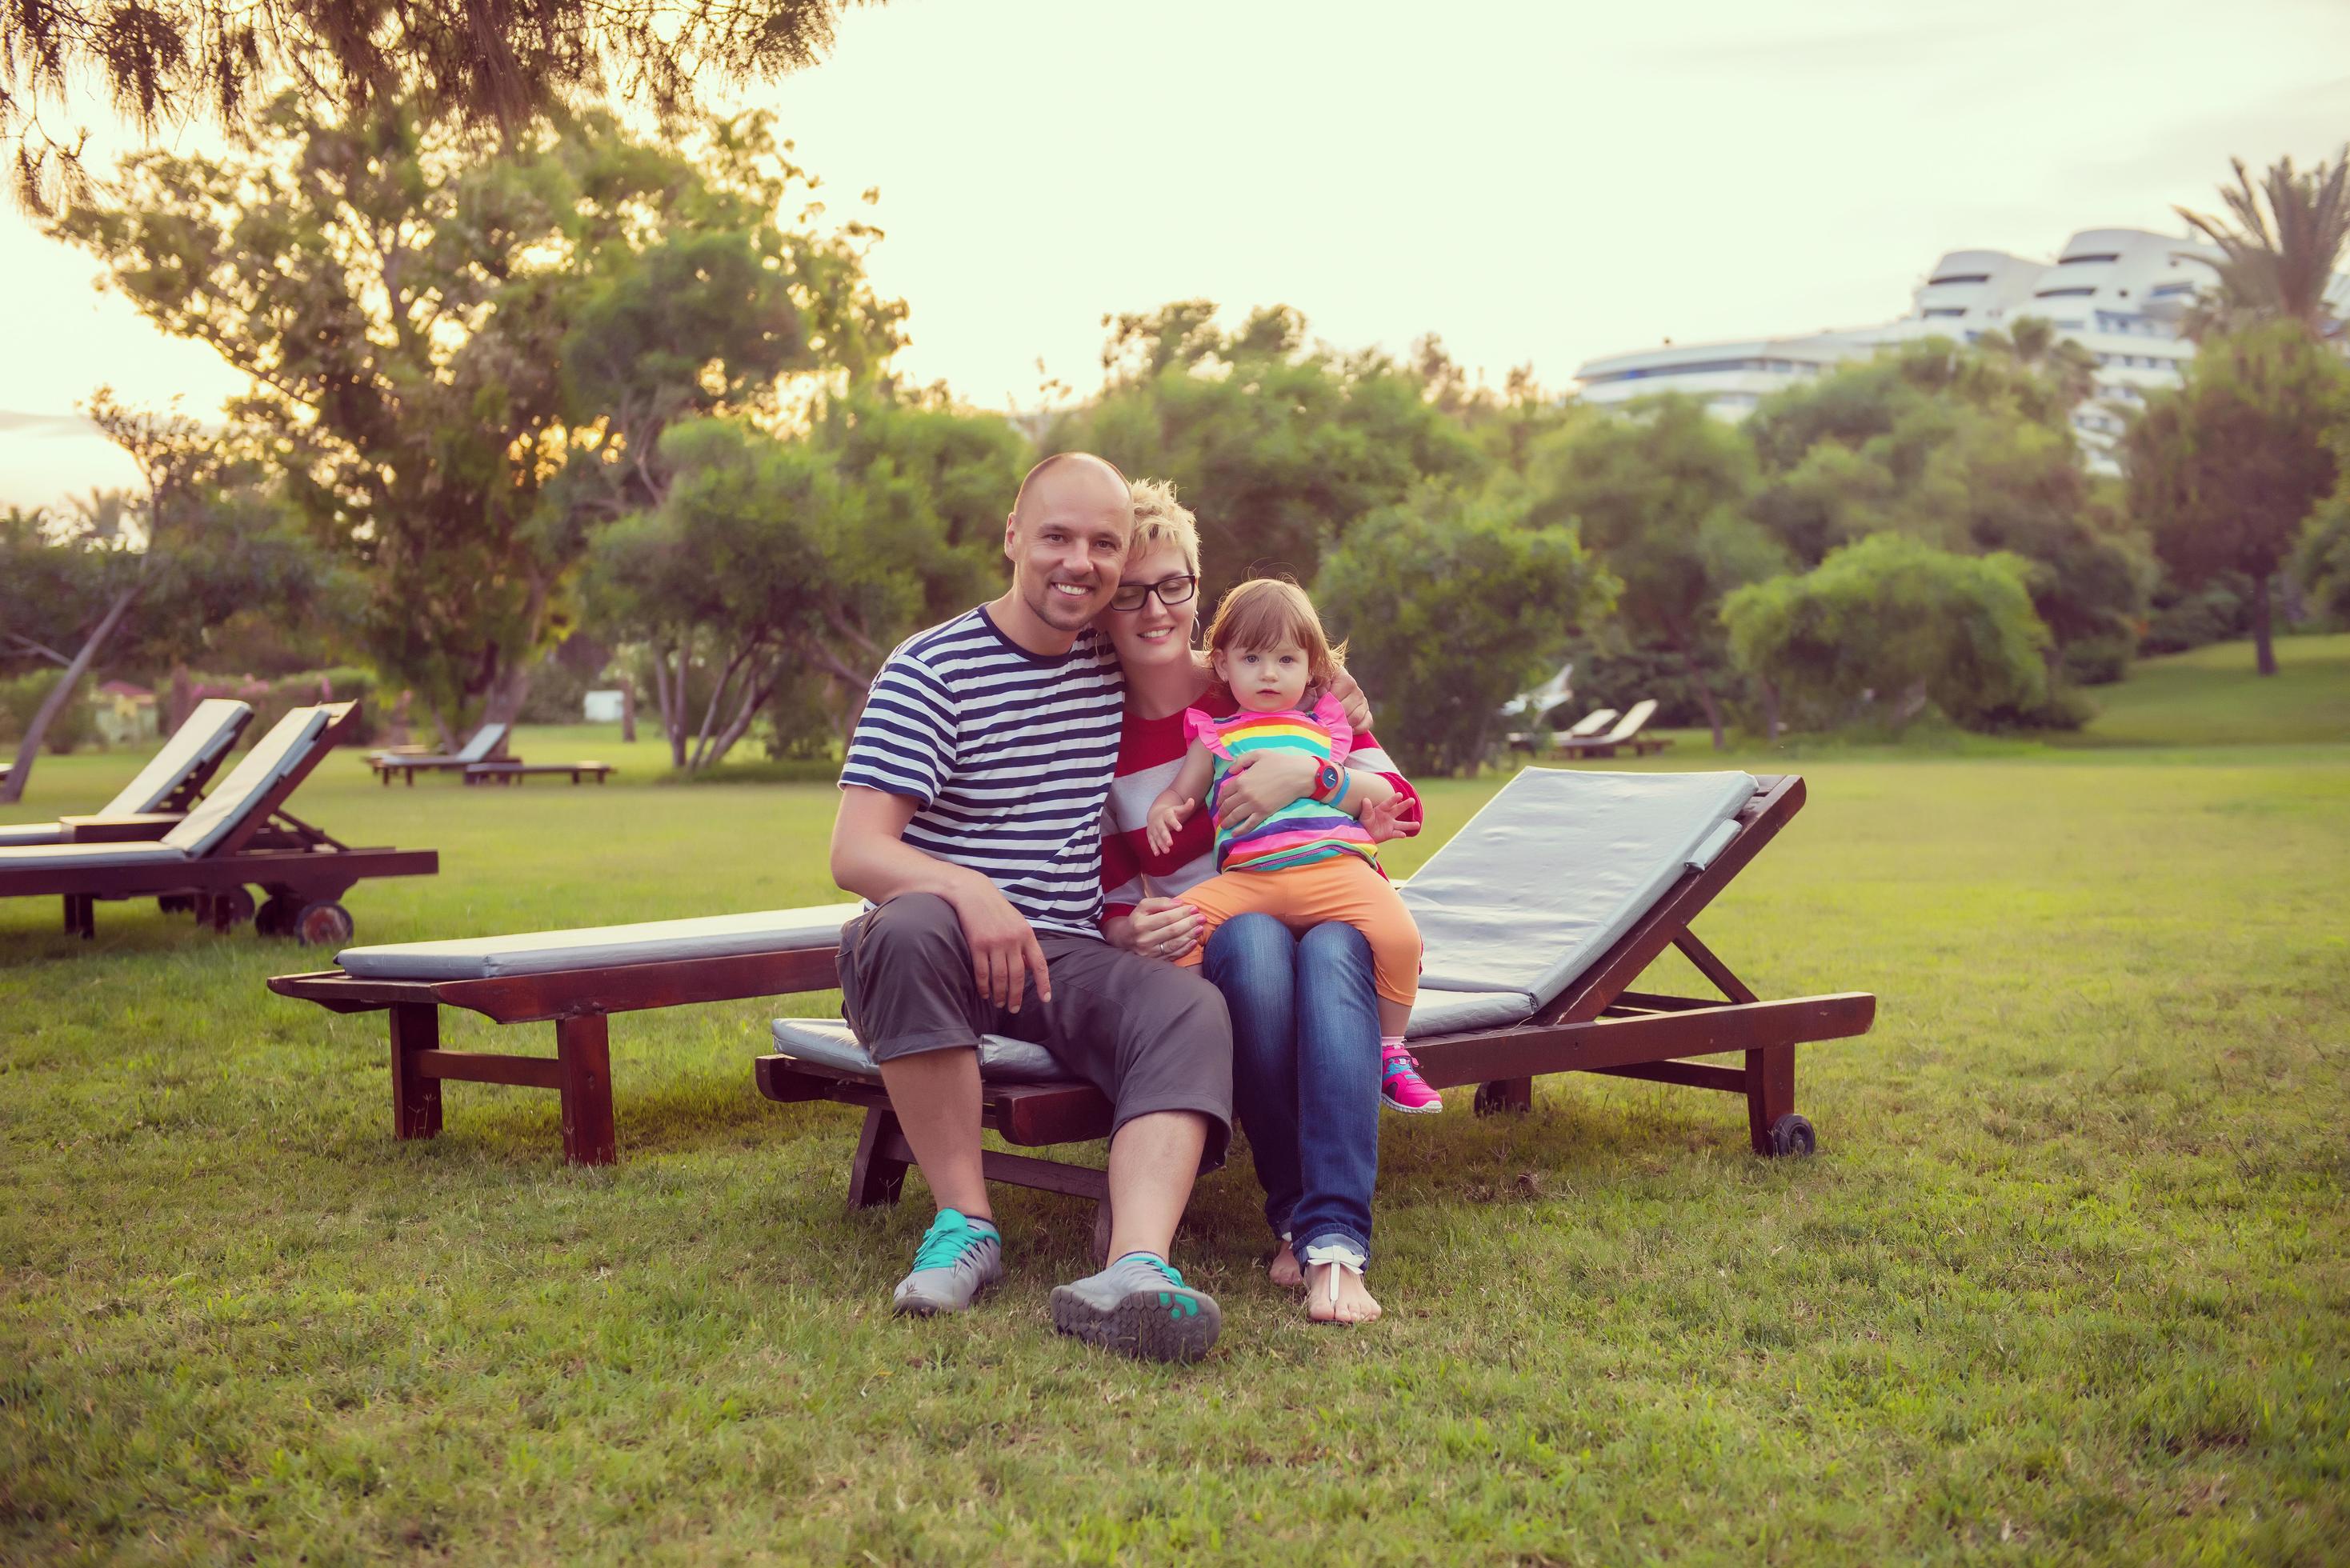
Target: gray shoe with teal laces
[(959, 1258), (1140, 1306)]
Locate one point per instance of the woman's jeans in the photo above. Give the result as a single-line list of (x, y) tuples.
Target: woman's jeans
[(1305, 1072)]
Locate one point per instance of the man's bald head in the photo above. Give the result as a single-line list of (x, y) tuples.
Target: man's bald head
[(1078, 477)]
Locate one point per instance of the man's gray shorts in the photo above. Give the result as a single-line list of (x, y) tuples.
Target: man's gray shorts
[(1149, 1036)]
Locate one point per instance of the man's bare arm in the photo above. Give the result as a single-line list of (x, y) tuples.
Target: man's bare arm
[(871, 858)]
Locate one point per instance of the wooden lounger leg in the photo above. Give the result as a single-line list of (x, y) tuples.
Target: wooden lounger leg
[(1505, 1094), (81, 916), (878, 1174), (583, 1051), (415, 1098), (1770, 1094)]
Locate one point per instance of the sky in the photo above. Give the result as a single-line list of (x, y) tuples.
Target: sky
[(1541, 183)]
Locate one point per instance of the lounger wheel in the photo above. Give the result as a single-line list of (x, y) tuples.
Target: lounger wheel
[(276, 916), (176, 903), (228, 910), (1791, 1134), (322, 924)]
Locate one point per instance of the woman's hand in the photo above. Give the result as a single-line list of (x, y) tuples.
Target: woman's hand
[(1259, 784), (1350, 697), (1159, 928)]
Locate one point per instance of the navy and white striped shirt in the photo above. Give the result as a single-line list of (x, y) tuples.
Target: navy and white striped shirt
[(1008, 755)]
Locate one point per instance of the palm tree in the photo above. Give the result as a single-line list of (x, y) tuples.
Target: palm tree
[(2032, 344), (2280, 265)]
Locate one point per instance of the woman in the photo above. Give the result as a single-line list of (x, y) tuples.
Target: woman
[(1305, 1036)]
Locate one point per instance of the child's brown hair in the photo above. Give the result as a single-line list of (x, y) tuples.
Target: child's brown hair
[(1267, 612)]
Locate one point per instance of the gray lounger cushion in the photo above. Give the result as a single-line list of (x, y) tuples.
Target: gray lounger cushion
[(602, 947), (208, 733), (830, 1043), (276, 753), (486, 740), (1460, 1012), (1555, 868)]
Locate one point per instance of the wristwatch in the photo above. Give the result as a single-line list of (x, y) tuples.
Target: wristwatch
[(1330, 783)]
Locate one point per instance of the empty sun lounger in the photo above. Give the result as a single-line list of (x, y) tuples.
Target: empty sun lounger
[(488, 743), (1598, 718), (241, 836), (1627, 733), (515, 773), (154, 801)]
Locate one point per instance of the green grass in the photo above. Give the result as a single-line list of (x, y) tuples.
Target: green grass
[(2066, 1281)]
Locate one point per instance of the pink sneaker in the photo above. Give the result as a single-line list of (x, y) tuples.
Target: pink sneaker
[(1401, 1088)]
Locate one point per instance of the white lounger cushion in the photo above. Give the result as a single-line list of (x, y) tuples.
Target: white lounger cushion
[(276, 753), (1555, 868), (1462, 1011), (830, 1043), (207, 733), (43, 856), (603, 947)]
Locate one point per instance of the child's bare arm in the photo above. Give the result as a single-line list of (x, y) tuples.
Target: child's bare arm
[(1179, 799)]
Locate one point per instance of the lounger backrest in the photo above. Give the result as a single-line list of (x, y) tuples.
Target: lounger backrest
[(1591, 723), (486, 740), (1556, 867), (277, 753), (1634, 717), (211, 729)]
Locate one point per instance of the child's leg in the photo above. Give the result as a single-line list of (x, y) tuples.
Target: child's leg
[(1231, 893)]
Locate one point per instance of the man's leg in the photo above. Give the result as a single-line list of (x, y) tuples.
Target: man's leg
[(1153, 1161), (906, 990), (936, 1096), (1158, 1042)]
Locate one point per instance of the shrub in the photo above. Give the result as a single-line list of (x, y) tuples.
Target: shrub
[(1888, 625), (75, 725)]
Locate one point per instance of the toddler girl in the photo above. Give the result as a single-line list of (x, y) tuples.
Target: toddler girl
[(1316, 858)]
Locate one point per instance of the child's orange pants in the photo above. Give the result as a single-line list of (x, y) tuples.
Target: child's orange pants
[(1343, 888)]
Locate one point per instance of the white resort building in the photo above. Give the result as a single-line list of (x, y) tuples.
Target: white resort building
[(2118, 293)]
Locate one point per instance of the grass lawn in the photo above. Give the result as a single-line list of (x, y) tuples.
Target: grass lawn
[(2066, 1281)]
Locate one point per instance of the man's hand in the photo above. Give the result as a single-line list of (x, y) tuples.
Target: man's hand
[(1350, 697), (1383, 819), (1005, 952), (1259, 784), (1167, 818), (1161, 929)]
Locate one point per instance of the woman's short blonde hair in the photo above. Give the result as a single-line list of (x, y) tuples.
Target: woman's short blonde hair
[(1162, 523)]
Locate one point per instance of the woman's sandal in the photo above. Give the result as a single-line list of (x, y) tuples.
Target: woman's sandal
[(1341, 1260)]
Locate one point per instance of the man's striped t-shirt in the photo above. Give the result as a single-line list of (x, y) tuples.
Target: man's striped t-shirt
[(1008, 755)]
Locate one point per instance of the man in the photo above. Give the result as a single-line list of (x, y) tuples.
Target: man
[(971, 817)]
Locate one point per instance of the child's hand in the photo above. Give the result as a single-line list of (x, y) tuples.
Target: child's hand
[(1166, 819), (1383, 820)]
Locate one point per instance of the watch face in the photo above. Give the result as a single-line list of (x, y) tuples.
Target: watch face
[(1329, 777)]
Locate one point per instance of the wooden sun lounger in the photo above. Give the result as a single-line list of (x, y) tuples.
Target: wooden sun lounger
[(159, 794), (1627, 733), (1599, 1024), (301, 870), (488, 744), (515, 772)]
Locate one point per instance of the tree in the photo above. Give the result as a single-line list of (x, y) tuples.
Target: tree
[(164, 63), (2035, 346), (1451, 603), (1278, 448), (769, 560), (2321, 561), (1969, 450), (464, 363), (2227, 470), (1897, 619), (147, 575), (1660, 496), (2276, 265)]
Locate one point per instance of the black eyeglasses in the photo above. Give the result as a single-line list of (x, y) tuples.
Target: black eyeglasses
[(1170, 591)]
